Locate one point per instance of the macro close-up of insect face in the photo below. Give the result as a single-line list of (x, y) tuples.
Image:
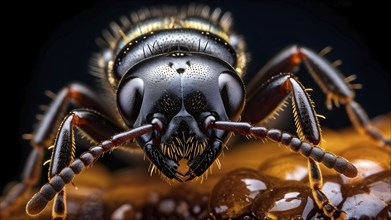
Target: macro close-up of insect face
[(173, 86)]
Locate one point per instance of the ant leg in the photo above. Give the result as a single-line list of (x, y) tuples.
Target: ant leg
[(31, 173), (316, 182), (269, 97), (331, 81), (93, 125), (273, 94), (57, 183), (338, 89), (74, 94), (361, 122)]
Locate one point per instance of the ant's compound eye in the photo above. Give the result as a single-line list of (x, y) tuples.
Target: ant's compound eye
[(232, 93), (129, 99)]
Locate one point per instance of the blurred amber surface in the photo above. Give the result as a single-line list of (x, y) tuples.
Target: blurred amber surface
[(235, 192), (256, 181)]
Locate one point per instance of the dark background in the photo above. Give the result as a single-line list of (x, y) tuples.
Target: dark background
[(48, 45)]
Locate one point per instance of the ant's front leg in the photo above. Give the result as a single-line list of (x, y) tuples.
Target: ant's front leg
[(90, 123), (332, 82), (75, 94), (268, 98), (273, 94), (57, 184)]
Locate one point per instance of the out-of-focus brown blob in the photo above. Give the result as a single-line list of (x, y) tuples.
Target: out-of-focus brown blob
[(290, 200), (369, 159), (233, 195), (369, 199), (180, 203), (289, 166)]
